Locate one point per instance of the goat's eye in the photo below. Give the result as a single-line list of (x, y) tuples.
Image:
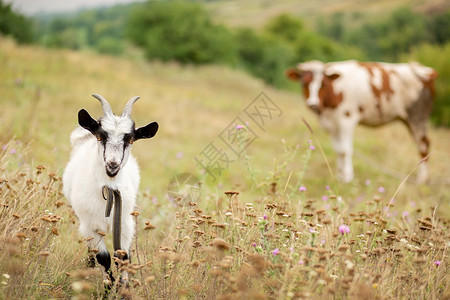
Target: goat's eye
[(99, 138), (131, 142)]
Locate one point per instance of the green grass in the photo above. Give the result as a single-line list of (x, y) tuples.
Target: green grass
[(42, 91)]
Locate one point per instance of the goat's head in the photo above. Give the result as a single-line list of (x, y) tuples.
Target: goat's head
[(115, 134)]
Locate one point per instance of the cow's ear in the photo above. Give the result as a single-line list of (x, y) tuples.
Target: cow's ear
[(333, 76), (293, 74)]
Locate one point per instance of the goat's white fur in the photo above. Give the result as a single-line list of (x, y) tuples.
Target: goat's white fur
[(84, 178), (101, 157)]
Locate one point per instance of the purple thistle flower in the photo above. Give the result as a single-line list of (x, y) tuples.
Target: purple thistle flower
[(240, 127), (275, 252), (265, 217), (381, 189), (437, 263), (13, 151), (254, 245), (343, 229), (302, 189)]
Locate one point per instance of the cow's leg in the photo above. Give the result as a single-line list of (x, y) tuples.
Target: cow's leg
[(342, 139), (419, 133)]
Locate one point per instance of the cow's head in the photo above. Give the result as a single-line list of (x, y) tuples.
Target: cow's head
[(317, 84)]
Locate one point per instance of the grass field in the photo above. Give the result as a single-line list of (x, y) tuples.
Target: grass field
[(255, 13), (272, 240)]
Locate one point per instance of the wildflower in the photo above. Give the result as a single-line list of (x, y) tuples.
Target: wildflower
[(327, 187), (301, 262), (343, 229), (13, 151), (240, 127), (179, 155), (437, 263), (405, 214), (254, 245), (381, 189), (311, 146), (324, 198), (302, 189), (265, 217), (276, 252), (367, 182)]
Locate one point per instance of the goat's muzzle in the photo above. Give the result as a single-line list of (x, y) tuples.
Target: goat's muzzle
[(112, 168)]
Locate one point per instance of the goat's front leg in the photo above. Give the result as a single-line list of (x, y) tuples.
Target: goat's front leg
[(96, 244), (122, 255)]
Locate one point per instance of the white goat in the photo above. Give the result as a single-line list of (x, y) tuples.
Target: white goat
[(101, 159)]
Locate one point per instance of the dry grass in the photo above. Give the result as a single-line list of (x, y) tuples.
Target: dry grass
[(220, 245), (225, 246)]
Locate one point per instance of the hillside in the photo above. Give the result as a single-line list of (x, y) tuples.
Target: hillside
[(255, 13), (43, 90), (267, 238)]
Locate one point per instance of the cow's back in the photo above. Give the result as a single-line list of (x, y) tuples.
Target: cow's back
[(376, 93)]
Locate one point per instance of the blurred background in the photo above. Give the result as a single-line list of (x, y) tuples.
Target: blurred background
[(261, 37), (198, 64)]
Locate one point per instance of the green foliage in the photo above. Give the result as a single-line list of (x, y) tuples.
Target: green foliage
[(306, 44), (382, 39), (438, 58), (264, 56), (181, 31), (101, 30), (439, 26), (14, 24)]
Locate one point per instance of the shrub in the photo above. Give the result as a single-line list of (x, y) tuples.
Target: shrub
[(263, 56), (181, 31), (14, 24)]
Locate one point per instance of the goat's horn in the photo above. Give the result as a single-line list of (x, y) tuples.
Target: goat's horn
[(127, 110), (107, 110)]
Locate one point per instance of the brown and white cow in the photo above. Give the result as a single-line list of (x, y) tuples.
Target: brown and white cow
[(347, 93)]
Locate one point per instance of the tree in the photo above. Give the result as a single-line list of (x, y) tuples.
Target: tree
[(181, 31), (14, 24)]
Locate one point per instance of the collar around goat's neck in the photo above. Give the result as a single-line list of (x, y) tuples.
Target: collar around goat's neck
[(113, 195)]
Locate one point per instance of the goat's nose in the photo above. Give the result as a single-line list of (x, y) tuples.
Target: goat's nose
[(113, 165)]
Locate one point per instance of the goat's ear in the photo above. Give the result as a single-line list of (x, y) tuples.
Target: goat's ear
[(87, 122), (146, 132)]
